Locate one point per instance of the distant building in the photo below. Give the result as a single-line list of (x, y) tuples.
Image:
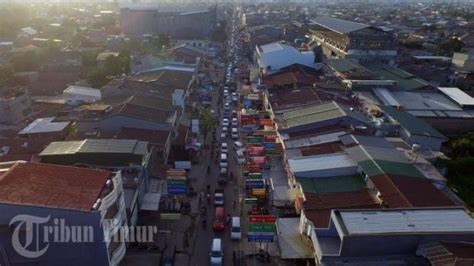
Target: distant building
[(198, 43), (15, 105), (27, 32), (63, 196), (464, 61), (275, 56), (46, 127), (345, 39), (76, 95), (181, 22)]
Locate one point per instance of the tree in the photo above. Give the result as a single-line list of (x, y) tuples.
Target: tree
[(6, 73), (97, 78), (28, 61), (207, 121), (449, 47)]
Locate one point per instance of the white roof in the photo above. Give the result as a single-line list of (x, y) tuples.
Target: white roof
[(386, 96), (169, 67), (457, 95), (321, 162), (407, 221), (29, 30), (44, 125), (83, 91)]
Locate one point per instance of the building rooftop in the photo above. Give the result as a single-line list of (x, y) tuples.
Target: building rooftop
[(338, 25), (52, 186), (317, 113), (405, 80), (318, 206), (96, 146), (414, 125), (400, 191), (458, 96), (404, 221), (44, 125), (155, 137), (285, 98), (332, 184), (83, 91), (321, 162)]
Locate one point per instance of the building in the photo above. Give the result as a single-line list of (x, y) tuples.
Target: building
[(464, 61), (415, 130), (274, 56), (346, 39), (133, 158), (198, 43), (15, 105), (48, 128), (27, 32), (187, 53), (387, 236), (77, 95), (319, 116), (51, 196), (180, 22), (136, 111)]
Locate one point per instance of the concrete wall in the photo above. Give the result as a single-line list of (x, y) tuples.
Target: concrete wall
[(91, 253)]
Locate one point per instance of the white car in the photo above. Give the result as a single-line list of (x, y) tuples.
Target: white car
[(216, 252), (224, 148), (238, 145), (225, 122), (235, 133), (226, 93), (226, 106), (224, 130), (235, 122), (235, 231)]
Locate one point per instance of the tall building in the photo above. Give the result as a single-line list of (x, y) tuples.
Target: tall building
[(346, 39), (180, 22), (61, 215)]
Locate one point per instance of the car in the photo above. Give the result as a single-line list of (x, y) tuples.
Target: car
[(223, 161), (223, 136), (216, 252), (225, 122), (222, 179), (234, 133), (235, 230), (219, 197), (224, 130), (240, 156), (234, 113), (235, 122), (219, 219), (226, 106), (224, 147), (238, 145), (235, 99), (226, 93)]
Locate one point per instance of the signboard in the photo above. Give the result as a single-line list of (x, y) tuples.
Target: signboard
[(262, 227), (258, 192), (182, 165), (176, 190), (170, 216), (260, 238), (254, 183), (176, 172), (255, 176), (262, 218), (251, 201), (176, 182)]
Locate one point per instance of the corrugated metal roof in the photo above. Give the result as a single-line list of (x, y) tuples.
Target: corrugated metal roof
[(339, 25), (312, 114), (457, 95), (96, 146), (408, 221), (378, 167), (332, 184), (414, 125), (44, 125), (314, 163)]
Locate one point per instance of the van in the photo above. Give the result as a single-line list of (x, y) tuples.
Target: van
[(216, 252), (219, 219), (235, 231), (223, 161), (240, 156)]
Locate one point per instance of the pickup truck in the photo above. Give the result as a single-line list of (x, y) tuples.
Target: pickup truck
[(219, 196)]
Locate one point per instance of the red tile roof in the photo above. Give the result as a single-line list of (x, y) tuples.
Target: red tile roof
[(318, 206), (404, 191), (53, 186)]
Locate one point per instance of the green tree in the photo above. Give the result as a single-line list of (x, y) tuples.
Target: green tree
[(97, 78), (6, 73), (207, 121), (449, 47)]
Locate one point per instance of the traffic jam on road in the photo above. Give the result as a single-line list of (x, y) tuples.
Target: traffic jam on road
[(247, 135)]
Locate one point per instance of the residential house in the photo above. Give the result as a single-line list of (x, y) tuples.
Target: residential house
[(77, 95), (27, 32), (47, 128), (133, 158), (68, 196)]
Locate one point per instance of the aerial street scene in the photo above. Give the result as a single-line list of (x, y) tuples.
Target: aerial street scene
[(236, 132)]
